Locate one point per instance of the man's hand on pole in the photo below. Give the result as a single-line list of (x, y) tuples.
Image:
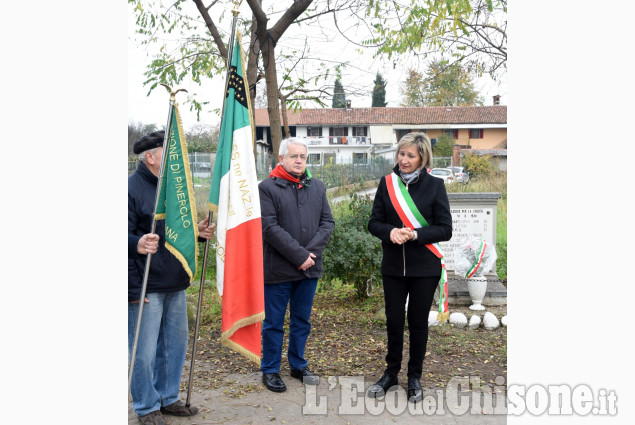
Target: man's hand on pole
[(148, 244), (205, 231)]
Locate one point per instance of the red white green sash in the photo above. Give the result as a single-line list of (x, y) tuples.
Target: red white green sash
[(412, 218)]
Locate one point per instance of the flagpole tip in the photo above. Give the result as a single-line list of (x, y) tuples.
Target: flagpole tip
[(168, 88), (235, 10), (172, 93)]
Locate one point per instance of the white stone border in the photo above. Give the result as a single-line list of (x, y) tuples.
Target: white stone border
[(489, 321)]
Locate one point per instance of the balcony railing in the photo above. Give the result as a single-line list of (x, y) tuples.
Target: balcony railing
[(338, 140)]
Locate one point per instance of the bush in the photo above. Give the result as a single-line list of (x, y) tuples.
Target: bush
[(338, 175), (478, 166), (353, 255), (443, 146)]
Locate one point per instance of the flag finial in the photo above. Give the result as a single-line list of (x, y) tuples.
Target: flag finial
[(235, 10), (172, 93)]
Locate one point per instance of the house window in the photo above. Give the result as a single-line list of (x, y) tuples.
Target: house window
[(338, 131), (314, 159), (476, 133), (454, 134), (360, 158), (314, 131), (360, 131), (401, 133), (329, 158), (338, 135)]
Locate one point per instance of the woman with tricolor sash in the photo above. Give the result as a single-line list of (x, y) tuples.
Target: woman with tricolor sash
[(411, 214)]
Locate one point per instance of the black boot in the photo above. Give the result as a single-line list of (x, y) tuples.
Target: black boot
[(380, 387), (415, 393)]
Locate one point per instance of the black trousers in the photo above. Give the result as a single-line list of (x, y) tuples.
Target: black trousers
[(421, 292)]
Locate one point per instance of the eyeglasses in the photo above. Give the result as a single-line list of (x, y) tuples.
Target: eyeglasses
[(296, 156)]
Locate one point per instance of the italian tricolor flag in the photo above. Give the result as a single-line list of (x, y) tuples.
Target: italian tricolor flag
[(234, 197)]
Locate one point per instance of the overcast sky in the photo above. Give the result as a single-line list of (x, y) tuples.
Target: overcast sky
[(154, 108)]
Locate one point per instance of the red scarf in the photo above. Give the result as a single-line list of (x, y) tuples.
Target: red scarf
[(283, 174)]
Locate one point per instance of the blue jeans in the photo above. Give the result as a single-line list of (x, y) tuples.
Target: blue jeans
[(299, 295), (160, 350)]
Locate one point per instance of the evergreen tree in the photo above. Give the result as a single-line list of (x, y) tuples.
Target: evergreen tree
[(379, 92), (339, 97)]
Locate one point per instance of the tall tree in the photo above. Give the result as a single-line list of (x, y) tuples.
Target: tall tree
[(197, 55), (192, 46), (473, 32), (379, 92), (412, 94), (339, 96), (265, 40), (449, 85), (443, 85)]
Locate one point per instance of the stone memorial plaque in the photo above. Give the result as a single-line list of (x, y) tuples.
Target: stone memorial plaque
[(469, 222)]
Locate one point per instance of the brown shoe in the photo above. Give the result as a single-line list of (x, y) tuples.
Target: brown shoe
[(153, 418), (178, 408)]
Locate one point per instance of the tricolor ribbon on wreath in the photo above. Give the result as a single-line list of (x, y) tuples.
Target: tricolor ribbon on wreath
[(412, 218), (479, 260)]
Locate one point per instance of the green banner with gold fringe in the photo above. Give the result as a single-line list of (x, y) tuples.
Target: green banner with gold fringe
[(176, 204)]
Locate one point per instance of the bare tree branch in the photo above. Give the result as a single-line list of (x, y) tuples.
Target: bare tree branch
[(212, 27), (212, 4)]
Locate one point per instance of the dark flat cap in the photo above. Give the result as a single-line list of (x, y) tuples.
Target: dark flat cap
[(149, 141)]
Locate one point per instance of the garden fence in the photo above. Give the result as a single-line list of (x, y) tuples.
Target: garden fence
[(332, 175)]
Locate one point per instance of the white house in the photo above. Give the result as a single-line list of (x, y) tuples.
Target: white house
[(345, 135)]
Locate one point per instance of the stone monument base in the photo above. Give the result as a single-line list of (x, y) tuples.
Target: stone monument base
[(458, 294)]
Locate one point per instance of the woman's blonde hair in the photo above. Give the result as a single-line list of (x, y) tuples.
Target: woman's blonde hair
[(422, 142)]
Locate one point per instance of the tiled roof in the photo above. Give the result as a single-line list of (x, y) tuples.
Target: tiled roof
[(496, 114)]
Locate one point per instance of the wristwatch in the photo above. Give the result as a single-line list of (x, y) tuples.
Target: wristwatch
[(415, 235)]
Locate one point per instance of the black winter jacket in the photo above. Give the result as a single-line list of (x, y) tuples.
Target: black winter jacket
[(412, 258), (166, 272), (295, 222)]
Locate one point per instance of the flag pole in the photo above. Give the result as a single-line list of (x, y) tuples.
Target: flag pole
[(230, 52), (152, 230)]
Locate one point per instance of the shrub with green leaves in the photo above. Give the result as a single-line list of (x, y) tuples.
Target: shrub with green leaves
[(353, 255), (478, 166), (443, 146), (339, 175)]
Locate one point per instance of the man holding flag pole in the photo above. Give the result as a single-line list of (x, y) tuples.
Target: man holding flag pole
[(167, 250)]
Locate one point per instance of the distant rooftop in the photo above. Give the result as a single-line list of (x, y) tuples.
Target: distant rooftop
[(496, 114)]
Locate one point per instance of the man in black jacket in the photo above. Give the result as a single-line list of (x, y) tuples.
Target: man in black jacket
[(163, 335), (296, 226)]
